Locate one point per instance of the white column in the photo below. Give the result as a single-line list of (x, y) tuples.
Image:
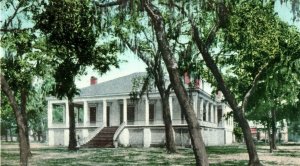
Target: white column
[(50, 118), (104, 120), (67, 113), (195, 101), (125, 110), (216, 114), (212, 114), (85, 113), (207, 111), (171, 107), (85, 131), (146, 111), (201, 110)]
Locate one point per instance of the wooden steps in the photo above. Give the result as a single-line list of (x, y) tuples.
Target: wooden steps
[(104, 139)]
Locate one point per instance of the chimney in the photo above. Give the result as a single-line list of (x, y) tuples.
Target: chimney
[(93, 80)]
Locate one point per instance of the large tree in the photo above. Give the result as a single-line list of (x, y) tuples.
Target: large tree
[(73, 36), (23, 61)]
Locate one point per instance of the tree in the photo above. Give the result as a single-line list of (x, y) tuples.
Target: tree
[(22, 62), (249, 49), (72, 35), (156, 22)]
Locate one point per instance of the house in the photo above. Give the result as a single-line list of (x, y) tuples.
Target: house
[(106, 114), (260, 132)]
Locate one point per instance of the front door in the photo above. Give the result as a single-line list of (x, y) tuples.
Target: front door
[(92, 114)]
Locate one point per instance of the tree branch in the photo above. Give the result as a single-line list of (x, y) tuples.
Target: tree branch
[(14, 29), (255, 81), (6, 24), (110, 4)]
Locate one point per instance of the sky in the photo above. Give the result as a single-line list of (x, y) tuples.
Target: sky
[(133, 64)]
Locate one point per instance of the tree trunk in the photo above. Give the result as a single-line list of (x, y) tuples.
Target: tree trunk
[(170, 140), (10, 134), (269, 136), (20, 122), (274, 130), (72, 132), (238, 112), (193, 125), (6, 135), (24, 113)]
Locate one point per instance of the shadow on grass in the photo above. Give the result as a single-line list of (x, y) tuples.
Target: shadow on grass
[(233, 162), (225, 149)]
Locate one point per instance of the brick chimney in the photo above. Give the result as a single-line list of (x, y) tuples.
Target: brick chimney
[(93, 80)]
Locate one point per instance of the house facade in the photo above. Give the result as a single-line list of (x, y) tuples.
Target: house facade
[(138, 123)]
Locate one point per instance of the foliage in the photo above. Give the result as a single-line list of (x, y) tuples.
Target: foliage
[(72, 35), (237, 131)]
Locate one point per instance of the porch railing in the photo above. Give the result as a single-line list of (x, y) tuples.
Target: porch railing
[(117, 133)]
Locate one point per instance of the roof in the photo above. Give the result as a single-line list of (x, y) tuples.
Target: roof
[(119, 85)]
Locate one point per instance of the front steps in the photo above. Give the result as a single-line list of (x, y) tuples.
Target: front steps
[(104, 139)]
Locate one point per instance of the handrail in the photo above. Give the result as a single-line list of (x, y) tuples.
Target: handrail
[(91, 136), (117, 133)]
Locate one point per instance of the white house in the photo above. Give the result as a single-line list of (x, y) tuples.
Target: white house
[(107, 105)]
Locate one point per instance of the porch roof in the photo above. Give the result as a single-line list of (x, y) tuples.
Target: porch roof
[(119, 85)]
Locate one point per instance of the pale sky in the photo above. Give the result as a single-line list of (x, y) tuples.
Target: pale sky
[(132, 65)]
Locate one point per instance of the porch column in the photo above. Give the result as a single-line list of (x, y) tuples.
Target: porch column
[(125, 110), (171, 107), (104, 120), (200, 116), (216, 114), (50, 116), (146, 111), (207, 111), (85, 131), (67, 113), (85, 113), (195, 100), (212, 113)]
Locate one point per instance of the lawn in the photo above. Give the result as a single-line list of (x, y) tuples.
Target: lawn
[(218, 155)]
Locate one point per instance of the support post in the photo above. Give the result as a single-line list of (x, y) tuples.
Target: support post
[(104, 120), (171, 107), (207, 111), (67, 114), (85, 113), (201, 110), (146, 111), (50, 116), (195, 101), (125, 111)]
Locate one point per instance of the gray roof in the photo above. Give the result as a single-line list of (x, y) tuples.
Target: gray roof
[(116, 86)]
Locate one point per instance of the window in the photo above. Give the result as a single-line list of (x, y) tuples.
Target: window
[(92, 114), (130, 114), (58, 113), (151, 113), (78, 109)]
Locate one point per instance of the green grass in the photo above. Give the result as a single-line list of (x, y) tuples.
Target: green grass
[(55, 156)]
